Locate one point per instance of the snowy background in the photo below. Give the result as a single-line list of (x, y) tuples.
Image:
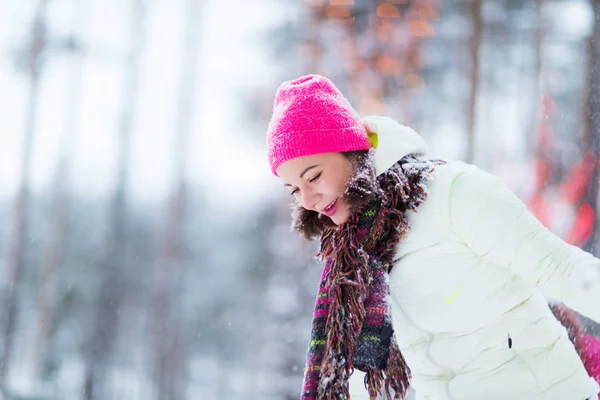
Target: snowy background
[(144, 244)]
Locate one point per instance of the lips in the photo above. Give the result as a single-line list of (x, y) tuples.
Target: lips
[(331, 208)]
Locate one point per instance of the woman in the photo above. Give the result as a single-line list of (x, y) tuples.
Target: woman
[(435, 274)]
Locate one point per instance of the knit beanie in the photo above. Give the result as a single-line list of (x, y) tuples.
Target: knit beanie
[(311, 116)]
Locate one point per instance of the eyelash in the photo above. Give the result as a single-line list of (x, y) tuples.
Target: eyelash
[(315, 178), (312, 180)]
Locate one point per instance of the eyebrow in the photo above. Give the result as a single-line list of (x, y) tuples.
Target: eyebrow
[(308, 169), (303, 173)]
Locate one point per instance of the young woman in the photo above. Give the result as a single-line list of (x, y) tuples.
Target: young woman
[(435, 275)]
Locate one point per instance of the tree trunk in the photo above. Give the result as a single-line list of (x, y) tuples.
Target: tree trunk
[(592, 121), (112, 285), (170, 364), (474, 45), (54, 253), (14, 262), (312, 42), (530, 134)]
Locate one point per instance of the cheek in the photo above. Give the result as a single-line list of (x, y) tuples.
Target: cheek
[(342, 187), (337, 188), (345, 181)]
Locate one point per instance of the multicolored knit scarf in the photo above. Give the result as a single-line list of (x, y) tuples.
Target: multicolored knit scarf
[(352, 323)]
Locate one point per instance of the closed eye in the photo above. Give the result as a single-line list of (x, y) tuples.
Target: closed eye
[(312, 180)]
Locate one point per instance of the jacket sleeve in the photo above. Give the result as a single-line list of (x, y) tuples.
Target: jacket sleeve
[(487, 217)]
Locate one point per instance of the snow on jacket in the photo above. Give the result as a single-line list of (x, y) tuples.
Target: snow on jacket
[(470, 290)]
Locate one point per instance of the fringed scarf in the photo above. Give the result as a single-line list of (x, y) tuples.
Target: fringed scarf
[(352, 321)]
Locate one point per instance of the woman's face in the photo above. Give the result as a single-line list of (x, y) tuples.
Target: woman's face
[(318, 183)]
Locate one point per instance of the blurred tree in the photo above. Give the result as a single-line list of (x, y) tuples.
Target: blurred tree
[(579, 185), (112, 287), (14, 262), (537, 79), (169, 326), (543, 162), (591, 137), (373, 51), (287, 282), (54, 256), (474, 46)]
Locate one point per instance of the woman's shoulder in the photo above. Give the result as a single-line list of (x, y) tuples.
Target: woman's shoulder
[(460, 176), (453, 168), (458, 181), (445, 172)]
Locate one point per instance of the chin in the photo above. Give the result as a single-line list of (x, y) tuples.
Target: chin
[(340, 219)]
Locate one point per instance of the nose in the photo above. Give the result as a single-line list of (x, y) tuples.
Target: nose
[(309, 199)]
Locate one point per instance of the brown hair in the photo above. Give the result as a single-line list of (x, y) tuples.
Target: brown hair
[(361, 188)]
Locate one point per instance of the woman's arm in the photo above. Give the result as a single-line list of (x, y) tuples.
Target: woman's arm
[(491, 220)]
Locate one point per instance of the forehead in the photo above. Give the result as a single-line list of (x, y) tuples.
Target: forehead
[(292, 169)]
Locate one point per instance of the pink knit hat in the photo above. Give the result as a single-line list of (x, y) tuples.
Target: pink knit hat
[(311, 116)]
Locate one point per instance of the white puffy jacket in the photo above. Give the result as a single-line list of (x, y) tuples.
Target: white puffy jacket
[(470, 286)]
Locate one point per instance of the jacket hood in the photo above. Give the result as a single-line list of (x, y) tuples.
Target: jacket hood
[(394, 142)]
